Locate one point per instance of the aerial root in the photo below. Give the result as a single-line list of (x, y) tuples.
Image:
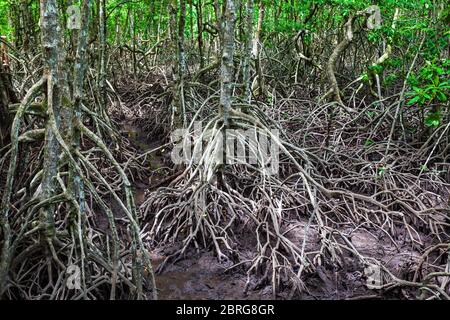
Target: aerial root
[(73, 257), (245, 214)]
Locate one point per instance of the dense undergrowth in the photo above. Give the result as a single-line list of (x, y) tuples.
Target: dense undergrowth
[(362, 190)]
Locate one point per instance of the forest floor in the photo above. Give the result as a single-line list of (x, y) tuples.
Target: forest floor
[(199, 275), (267, 151)]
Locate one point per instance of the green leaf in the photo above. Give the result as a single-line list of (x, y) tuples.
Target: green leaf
[(441, 96), (413, 100), (433, 119), (439, 70)]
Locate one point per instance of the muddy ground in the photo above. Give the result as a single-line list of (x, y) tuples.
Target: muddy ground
[(200, 276)]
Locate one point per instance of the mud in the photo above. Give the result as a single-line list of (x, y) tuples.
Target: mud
[(200, 276)]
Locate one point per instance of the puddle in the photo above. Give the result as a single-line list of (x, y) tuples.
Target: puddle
[(200, 277)]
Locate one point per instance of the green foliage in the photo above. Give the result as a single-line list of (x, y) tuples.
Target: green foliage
[(376, 69), (381, 171), (433, 119), (373, 36), (431, 84), (5, 28), (389, 79), (368, 142), (287, 26)]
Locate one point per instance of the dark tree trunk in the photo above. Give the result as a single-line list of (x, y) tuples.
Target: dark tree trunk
[(7, 96)]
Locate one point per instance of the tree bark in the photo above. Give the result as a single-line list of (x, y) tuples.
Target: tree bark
[(227, 68), (257, 50), (51, 48), (200, 32), (248, 33), (102, 54), (348, 37), (7, 96)]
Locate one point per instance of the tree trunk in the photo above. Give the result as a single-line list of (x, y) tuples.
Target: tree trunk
[(102, 54), (248, 33), (257, 50), (200, 32), (7, 96), (180, 40), (51, 48), (227, 69), (180, 65)]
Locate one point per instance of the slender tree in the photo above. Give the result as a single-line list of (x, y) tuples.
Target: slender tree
[(248, 36), (227, 66)]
